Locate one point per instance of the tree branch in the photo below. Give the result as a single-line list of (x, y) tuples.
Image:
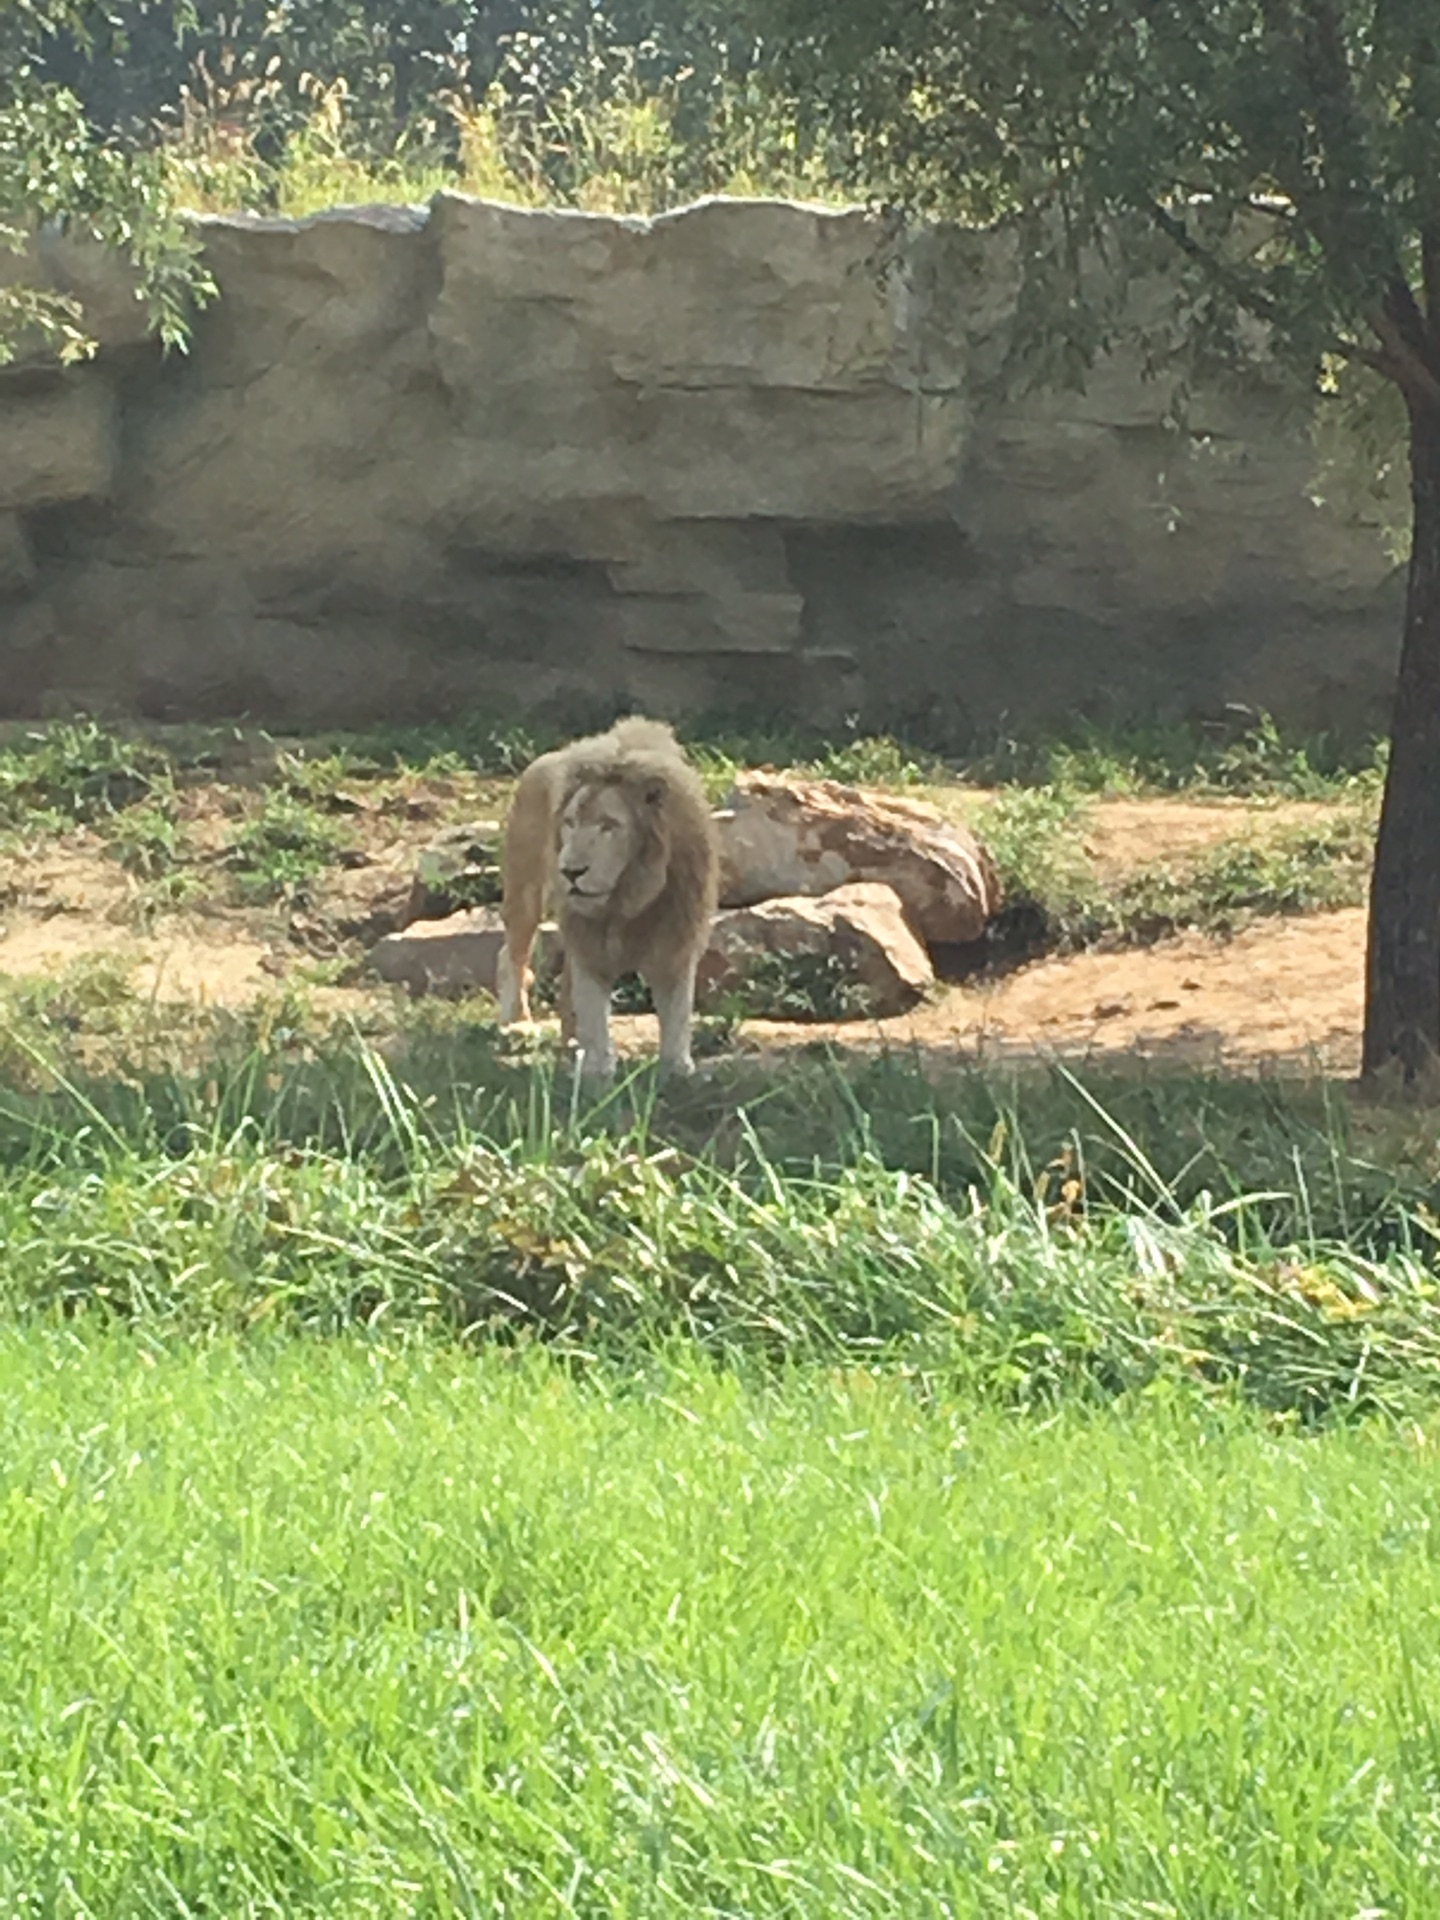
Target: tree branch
[(1430, 271), (1235, 284), (1400, 361), (1404, 309)]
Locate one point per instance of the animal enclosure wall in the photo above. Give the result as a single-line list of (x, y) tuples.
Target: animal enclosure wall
[(735, 457)]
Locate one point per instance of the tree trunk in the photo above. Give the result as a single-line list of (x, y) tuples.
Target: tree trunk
[(1402, 980)]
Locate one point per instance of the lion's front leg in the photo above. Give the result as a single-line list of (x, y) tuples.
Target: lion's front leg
[(590, 999), (675, 1005), (566, 1002), (512, 988)]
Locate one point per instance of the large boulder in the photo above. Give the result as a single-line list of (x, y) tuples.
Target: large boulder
[(781, 837), (800, 955)]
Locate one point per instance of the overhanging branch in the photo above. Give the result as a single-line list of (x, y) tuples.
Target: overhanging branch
[(1235, 284)]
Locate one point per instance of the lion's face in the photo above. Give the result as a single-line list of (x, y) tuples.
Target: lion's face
[(604, 836)]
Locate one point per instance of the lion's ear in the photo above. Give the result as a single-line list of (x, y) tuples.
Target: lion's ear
[(654, 793)]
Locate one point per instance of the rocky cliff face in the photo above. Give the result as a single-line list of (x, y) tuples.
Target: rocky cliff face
[(420, 458)]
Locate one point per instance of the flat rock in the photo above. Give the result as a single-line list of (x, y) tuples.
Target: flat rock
[(454, 956), (863, 926), (782, 837), (459, 868)]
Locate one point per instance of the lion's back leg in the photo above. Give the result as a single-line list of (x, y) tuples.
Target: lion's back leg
[(526, 885)]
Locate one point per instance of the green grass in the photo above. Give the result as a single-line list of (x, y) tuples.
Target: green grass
[(607, 141), (83, 770), (284, 846), (1036, 836), (1292, 870), (1251, 758), (76, 773), (384, 1629)]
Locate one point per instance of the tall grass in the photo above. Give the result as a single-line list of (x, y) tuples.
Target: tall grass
[(1032, 1245), (607, 141)]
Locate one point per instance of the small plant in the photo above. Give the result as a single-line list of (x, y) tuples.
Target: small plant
[(321, 778), (460, 869), (861, 760), (874, 760), (1298, 870), (1035, 836), (146, 839), (284, 847), (40, 1017), (798, 986), (75, 773)]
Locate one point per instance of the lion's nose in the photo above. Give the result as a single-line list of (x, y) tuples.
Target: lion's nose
[(575, 874)]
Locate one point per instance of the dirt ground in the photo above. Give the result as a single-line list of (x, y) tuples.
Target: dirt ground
[(1283, 993)]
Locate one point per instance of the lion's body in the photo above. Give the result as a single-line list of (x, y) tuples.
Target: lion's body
[(617, 831)]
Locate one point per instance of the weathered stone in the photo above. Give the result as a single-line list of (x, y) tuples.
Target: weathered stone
[(863, 926), (57, 443), (781, 836), (17, 563), (460, 868), (102, 285), (419, 459), (455, 956)]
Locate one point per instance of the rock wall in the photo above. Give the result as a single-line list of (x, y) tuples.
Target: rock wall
[(466, 455)]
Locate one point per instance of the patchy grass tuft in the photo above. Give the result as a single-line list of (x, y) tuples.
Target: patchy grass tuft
[(75, 772), (1251, 758), (284, 845)]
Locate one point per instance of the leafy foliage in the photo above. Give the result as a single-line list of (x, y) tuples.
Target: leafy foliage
[(1072, 1247), (395, 62), (1284, 155), (77, 772), (58, 171)]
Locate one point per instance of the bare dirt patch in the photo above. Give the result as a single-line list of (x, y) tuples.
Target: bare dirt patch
[(1282, 991), (1120, 836)]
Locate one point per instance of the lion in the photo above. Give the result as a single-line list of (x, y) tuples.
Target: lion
[(616, 830)]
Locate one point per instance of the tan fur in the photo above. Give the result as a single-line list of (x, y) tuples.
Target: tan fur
[(630, 799)]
